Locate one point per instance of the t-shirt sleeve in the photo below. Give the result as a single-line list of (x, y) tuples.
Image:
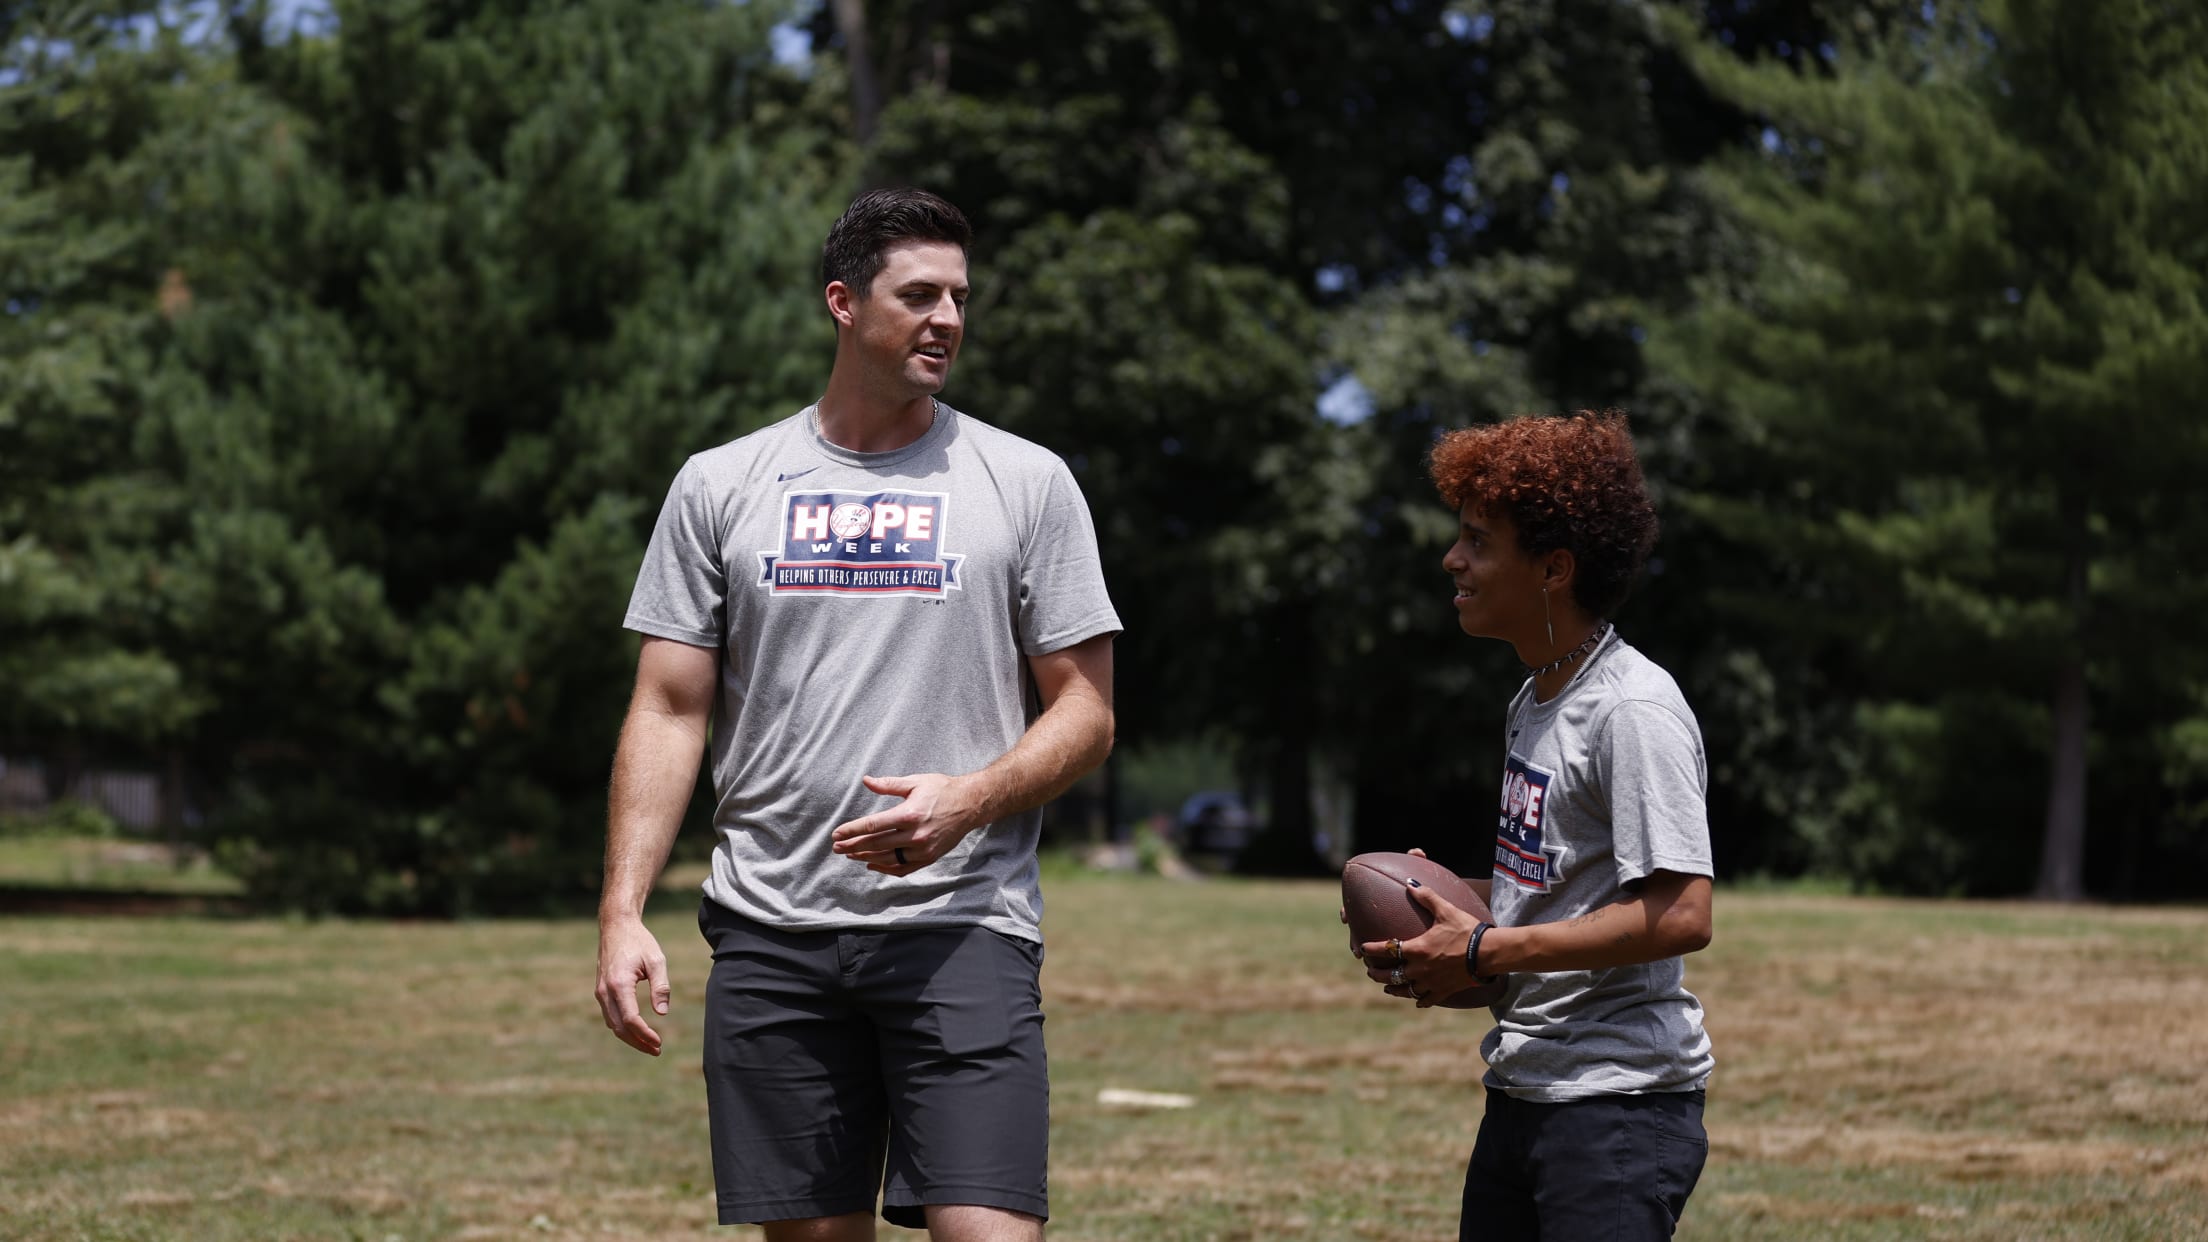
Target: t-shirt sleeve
[(681, 589), (1062, 595), (1651, 768)]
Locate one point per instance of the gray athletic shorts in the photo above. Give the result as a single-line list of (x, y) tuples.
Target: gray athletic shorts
[(834, 1058)]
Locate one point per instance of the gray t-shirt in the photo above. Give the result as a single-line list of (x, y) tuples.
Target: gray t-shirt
[(1603, 785), (873, 613)]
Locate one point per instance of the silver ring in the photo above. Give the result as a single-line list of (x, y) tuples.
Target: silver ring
[(900, 852), (1395, 977)]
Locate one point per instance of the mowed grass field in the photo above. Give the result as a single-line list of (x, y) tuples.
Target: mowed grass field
[(81, 864), (1888, 1069)]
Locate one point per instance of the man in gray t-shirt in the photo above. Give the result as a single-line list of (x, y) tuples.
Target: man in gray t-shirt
[(893, 619), (1598, 1061)]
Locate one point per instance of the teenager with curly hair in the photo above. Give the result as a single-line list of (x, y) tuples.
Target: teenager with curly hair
[(1598, 1061)]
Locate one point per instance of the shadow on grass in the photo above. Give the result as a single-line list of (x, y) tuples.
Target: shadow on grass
[(119, 902), (47, 899)]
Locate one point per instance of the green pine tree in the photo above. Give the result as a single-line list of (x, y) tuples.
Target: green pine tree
[(503, 267), (347, 373), (83, 671), (1965, 359)]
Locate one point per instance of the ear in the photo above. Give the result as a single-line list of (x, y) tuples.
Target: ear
[(840, 298), (1558, 568)]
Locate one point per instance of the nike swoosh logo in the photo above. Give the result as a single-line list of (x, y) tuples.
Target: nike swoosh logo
[(784, 478)]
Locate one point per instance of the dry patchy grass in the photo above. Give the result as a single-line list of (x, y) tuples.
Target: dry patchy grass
[(1888, 1070)]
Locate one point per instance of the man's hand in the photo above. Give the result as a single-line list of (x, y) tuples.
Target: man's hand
[(628, 953), (936, 814), (654, 769), (1432, 963)]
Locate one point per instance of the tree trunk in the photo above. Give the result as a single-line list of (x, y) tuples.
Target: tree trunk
[(1115, 831), (1283, 846), (866, 83), (171, 811), (2062, 847), (64, 765)]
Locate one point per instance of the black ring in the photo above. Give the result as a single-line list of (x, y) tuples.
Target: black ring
[(900, 852)]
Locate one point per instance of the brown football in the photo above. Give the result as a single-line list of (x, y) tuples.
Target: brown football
[(1381, 908)]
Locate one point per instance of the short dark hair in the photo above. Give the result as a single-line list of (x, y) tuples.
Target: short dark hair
[(1565, 482), (879, 219)]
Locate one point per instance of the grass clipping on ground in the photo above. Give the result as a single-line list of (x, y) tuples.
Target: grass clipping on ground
[(1886, 1069)]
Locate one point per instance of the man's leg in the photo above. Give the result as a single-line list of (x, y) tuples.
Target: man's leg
[(958, 1013), (793, 1086), (854, 1227), (966, 1222)]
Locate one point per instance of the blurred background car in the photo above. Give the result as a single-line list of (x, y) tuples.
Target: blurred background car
[(1213, 827)]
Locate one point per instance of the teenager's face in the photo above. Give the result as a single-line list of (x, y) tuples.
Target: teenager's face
[(1498, 586), (908, 327)]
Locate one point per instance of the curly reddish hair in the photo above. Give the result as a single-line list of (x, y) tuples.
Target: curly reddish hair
[(1568, 481)]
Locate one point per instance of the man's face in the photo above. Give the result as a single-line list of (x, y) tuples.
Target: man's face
[(1498, 586), (908, 327)]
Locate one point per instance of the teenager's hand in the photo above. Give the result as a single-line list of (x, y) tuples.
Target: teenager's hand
[(627, 955), (1381, 968), (936, 814), (1432, 963)]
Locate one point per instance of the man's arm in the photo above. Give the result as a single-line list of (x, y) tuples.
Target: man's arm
[(1066, 742), (1667, 915), (654, 769)]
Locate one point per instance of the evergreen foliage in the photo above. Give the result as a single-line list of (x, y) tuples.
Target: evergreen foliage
[(1962, 370), (427, 313), (343, 369), (83, 657)]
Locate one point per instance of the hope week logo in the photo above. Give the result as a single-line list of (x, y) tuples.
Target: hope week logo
[(1518, 851), (849, 543)]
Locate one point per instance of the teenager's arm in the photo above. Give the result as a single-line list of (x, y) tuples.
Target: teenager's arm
[(1666, 915), (655, 767), (1071, 737)]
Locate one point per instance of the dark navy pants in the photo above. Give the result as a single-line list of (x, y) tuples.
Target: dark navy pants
[(1616, 1167)]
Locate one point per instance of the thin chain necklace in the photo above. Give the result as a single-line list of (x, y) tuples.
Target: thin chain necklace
[(935, 411), (1592, 641)]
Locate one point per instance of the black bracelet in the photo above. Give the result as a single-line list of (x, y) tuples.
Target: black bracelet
[(1472, 950)]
